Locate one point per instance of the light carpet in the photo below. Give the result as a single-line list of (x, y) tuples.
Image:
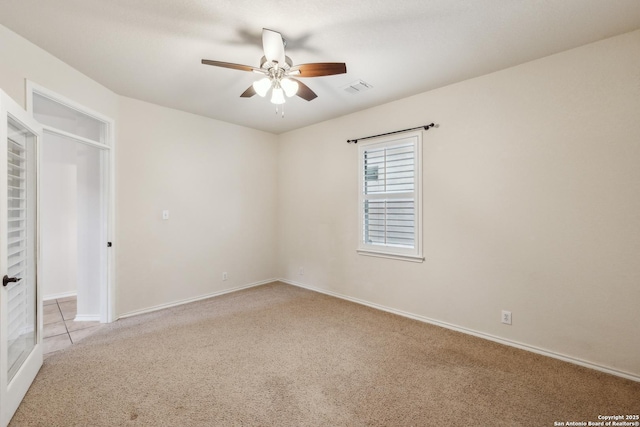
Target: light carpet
[(278, 355)]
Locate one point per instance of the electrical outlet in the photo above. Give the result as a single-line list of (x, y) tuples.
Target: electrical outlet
[(225, 276), (506, 317), (301, 271)]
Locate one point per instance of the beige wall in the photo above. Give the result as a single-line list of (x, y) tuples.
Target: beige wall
[(530, 193), (218, 182), (21, 59), (531, 204)]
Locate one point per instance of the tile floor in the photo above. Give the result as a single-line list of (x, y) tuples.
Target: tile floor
[(60, 330)]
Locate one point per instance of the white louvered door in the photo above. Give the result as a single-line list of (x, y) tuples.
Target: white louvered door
[(20, 301)]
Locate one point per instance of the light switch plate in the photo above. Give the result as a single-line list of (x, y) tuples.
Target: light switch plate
[(165, 214)]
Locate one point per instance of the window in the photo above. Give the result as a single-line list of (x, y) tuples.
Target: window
[(55, 114), (390, 201)]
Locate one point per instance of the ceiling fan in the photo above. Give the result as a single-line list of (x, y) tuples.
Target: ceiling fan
[(278, 70)]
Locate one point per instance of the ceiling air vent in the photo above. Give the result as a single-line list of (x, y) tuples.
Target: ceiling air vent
[(357, 87)]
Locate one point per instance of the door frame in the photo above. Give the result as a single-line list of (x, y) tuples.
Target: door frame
[(107, 288), (17, 388)]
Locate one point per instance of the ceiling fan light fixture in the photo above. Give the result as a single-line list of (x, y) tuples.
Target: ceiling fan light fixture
[(277, 96), (290, 87), (276, 69), (262, 86)]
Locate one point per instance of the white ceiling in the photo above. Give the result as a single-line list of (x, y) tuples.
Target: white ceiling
[(151, 49)]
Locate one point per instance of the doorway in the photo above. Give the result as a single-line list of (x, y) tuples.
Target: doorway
[(76, 203)]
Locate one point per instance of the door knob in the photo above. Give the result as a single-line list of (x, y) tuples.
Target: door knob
[(6, 280)]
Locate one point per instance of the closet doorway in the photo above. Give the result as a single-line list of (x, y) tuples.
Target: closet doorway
[(76, 203)]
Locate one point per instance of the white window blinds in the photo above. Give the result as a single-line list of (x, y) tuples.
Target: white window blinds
[(21, 223), (390, 197)]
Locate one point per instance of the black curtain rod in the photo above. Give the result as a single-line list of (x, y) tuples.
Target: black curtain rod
[(425, 127)]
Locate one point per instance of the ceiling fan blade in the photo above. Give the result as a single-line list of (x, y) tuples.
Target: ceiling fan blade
[(231, 65), (273, 46), (304, 91), (248, 93), (320, 69)]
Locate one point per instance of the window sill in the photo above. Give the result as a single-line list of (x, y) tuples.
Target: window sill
[(400, 257)]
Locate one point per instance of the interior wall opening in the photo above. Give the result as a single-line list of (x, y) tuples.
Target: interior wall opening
[(76, 203)]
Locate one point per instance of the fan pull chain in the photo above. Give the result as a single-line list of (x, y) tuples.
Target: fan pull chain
[(280, 109)]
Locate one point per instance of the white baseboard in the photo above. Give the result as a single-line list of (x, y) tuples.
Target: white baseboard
[(60, 295), (478, 334), (87, 318), (198, 298)]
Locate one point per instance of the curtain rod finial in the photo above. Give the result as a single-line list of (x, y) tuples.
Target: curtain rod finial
[(425, 127)]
